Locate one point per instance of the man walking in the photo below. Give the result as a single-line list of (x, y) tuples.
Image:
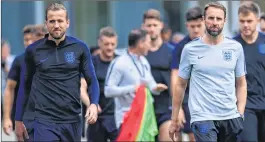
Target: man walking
[(52, 80), (215, 65), (253, 43)]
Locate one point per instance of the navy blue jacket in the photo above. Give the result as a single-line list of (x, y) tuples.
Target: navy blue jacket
[(52, 79)]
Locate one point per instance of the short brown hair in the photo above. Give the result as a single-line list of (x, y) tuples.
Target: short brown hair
[(40, 30), (215, 5), (152, 14), (55, 7), (107, 31), (247, 7), (28, 29)]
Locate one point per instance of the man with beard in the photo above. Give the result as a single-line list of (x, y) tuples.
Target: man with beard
[(253, 43), (53, 66), (196, 28), (159, 58), (105, 127), (215, 66)]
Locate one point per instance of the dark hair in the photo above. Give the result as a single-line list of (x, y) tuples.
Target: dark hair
[(194, 14), (107, 31), (262, 16), (165, 29), (152, 14), (135, 36), (55, 7), (93, 49), (247, 7), (28, 29), (215, 5), (40, 30)]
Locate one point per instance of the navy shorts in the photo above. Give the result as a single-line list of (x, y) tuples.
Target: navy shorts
[(29, 126), (103, 130), (218, 130), (163, 117), (254, 125), (47, 131), (187, 129)]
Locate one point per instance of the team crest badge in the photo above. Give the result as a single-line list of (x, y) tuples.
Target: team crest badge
[(69, 57), (261, 48), (227, 55)]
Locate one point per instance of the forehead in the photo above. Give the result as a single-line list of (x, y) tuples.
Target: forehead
[(215, 12), (109, 39), (150, 21), (195, 22), (249, 15), (56, 14)]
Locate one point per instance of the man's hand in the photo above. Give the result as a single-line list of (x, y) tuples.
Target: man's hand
[(181, 118), (137, 87), (92, 114), (8, 126), (174, 130), (160, 87), (21, 131)]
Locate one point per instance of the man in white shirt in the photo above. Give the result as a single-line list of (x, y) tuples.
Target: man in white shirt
[(127, 72)]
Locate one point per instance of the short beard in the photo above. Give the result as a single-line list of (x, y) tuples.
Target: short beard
[(58, 37), (154, 38), (214, 34)]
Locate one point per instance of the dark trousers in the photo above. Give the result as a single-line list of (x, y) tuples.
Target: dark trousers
[(46, 131), (254, 126), (218, 130), (103, 130), (29, 126)]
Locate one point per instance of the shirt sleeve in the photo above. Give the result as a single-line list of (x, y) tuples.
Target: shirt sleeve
[(14, 72), (28, 70), (21, 98), (176, 55), (151, 81), (114, 77), (88, 70), (240, 69), (185, 65)]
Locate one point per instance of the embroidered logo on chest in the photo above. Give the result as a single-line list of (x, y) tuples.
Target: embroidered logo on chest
[(69, 57), (227, 55)]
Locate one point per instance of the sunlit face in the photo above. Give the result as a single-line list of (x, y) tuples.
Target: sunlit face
[(153, 27), (28, 39), (57, 23), (214, 21), (108, 45), (195, 28), (5, 51), (248, 23), (144, 45)]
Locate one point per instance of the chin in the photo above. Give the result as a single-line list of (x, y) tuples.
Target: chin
[(247, 34), (110, 54)]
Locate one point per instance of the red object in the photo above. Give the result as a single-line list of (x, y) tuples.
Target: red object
[(132, 120)]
